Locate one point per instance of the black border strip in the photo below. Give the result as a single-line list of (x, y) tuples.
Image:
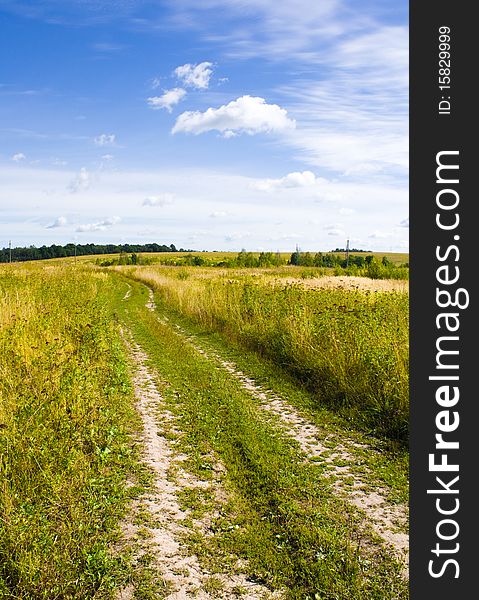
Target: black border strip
[(451, 131)]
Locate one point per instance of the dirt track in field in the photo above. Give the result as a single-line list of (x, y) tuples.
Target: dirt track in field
[(388, 520), (160, 535)]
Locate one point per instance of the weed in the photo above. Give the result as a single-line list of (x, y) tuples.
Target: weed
[(284, 518), (349, 348), (65, 451)]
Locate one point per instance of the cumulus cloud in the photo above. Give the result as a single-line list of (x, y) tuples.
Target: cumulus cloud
[(18, 157), (167, 100), (218, 214), (105, 139), (247, 114), (58, 222), (161, 200), (98, 226), (291, 180), (196, 76), (81, 182)]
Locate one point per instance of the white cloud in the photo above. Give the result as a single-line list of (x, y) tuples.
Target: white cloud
[(291, 180), (218, 214), (108, 157), (58, 222), (238, 235), (333, 226), (196, 76), (293, 235), (161, 200), (274, 29), (81, 182), (264, 218), (167, 100), (363, 49), (105, 139), (98, 226), (18, 157), (247, 114), (353, 119), (346, 211), (404, 223), (335, 229), (380, 235), (74, 12), (363, 169)]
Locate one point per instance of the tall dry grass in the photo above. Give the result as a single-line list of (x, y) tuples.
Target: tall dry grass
[(349, 347)]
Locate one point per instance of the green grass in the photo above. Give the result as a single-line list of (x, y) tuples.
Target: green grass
[(66, 419), (283, 515), (398, 258), (383, 460), (65, 451), (348, 348)]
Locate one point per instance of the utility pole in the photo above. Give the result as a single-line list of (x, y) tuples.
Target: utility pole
[(347, 254), (75, 252), (10, 249)]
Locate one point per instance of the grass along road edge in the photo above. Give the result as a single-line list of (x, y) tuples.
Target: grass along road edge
[(66, 426), (288, 523), (389, 519)]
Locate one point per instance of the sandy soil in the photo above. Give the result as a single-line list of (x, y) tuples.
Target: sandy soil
[(181, 570), (384, 517), (347, 283), (162, 533), (388, 520)]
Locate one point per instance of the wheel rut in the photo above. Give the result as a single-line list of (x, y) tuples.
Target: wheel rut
[(388, 520), (157, 526)]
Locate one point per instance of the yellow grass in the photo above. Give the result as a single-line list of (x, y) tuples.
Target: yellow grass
[(347, 340)]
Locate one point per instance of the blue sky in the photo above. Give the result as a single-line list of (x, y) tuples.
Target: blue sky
[(220, 124)]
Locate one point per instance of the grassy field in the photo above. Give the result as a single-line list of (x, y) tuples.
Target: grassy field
[(65, 411), (397, 258), (71, 456), (348, 347), (283, 516)]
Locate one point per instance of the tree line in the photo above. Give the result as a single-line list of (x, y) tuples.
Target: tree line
[(362, 265), (55, 251)]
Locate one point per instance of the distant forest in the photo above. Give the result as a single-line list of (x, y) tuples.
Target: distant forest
[(54, 251)]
